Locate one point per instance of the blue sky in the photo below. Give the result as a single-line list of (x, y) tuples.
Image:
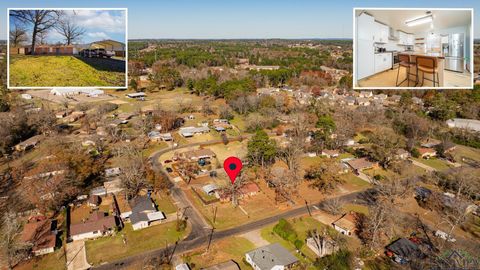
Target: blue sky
[(240, 19), (98, 25)]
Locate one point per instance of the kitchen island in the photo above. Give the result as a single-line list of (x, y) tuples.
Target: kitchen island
[(440, 63)]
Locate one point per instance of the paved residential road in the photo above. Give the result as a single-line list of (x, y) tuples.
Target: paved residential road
[(202, 240), (201, 229)]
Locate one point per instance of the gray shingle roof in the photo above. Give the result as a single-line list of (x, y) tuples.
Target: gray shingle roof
[(267, 257)]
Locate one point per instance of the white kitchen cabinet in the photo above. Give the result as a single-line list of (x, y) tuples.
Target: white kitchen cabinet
[(410, 39), (381, 33), (383, 61), (405, 39), (364, 46)]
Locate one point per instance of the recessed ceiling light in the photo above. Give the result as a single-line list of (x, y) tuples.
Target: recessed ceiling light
[(420, 20)]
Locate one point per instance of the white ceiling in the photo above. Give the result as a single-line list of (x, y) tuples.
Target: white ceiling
[(441, 19)]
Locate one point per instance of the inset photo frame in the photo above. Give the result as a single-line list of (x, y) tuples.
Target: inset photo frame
[(67, 47)]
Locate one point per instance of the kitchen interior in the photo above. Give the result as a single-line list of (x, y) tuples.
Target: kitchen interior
[(413, 48)]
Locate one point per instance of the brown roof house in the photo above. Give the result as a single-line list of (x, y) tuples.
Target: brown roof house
[(359, 164), (427, 152), (39, 233), (97, 225), (29, 143), (345, 224), (198, 154)]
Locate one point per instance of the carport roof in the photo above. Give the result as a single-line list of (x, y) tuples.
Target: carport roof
[(108, 43)]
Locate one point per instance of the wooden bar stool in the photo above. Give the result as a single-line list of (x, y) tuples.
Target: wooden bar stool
[(404, 61), (428, 65)]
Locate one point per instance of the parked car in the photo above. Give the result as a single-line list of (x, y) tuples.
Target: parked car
[(88, 53), (101, 53)]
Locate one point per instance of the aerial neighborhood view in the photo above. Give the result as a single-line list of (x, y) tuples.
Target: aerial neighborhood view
[(271, 142)]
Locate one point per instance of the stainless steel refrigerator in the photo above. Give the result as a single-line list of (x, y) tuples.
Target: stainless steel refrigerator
[(453, 51)]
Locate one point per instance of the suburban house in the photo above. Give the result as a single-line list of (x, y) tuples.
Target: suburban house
[(360, 164), (144, 213), (402, 154), (330, 153), (190, 131), (402, 250), (427, 152), (270, 257), (97, 225), (156, 136), (29, 143), (136, 95), (123, 206), (245, 191), (228, 265), (345, 224), (321, 246), (40, 233), (198, 154), (66, 92)]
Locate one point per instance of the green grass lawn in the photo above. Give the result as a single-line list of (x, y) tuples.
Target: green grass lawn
[(233, 248), (112, 248), (38, 71), (435, 163), (164, 203), (51, 261), (301, 226), (154, 147), (354, 180)]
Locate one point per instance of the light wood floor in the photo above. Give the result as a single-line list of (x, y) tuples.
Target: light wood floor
[(388, 79)]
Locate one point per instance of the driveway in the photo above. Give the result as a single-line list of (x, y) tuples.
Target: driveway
[(77, 256)]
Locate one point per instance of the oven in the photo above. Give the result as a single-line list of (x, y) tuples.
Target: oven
[(395, 60)]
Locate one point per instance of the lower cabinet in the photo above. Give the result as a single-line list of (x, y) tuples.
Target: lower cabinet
[(383, 61)]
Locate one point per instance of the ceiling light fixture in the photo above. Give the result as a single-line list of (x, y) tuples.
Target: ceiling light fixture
[(420, 20)]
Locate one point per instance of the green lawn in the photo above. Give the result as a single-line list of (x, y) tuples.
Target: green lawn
[(435, 163), (164, 203), (301, 226), (233, 248), (112, 248), (61, 71), (51, 261), (354, 180)]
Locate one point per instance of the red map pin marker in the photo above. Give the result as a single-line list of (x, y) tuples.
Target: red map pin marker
[(232, 166)]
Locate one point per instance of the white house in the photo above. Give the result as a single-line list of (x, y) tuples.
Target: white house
[(270, 257), (190, 131), (144, 213), (345, 224)]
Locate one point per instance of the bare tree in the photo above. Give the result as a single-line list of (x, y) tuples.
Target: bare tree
[(333, 206), (41, 21), (9, 230), (18, 35), (134, 173), (70, 31)]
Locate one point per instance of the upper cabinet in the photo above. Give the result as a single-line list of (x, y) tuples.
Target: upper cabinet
[(405, 39), (365, 27), (381, 33)]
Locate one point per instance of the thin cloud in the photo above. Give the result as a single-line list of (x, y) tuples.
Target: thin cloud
[(98, 35)]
